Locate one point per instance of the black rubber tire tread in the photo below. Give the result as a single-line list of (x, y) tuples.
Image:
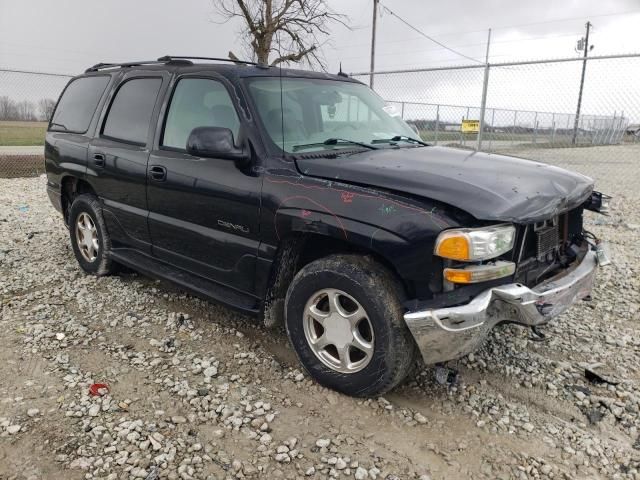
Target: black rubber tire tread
[(102, 265), (378, 291)]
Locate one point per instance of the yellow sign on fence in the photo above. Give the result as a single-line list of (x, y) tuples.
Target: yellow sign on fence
[(470, 126)]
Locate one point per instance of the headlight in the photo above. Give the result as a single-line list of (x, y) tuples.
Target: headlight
[(475, 244)]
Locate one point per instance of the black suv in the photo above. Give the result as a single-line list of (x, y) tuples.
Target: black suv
[(301, 197)]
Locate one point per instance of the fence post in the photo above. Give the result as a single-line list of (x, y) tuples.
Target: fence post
[(611, 132), (402, 111), (485, 84), (535, 127), (437, 123), (553, 127), (513, 130)]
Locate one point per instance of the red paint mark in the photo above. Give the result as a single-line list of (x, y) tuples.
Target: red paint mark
[(305, 213), (347, 197)]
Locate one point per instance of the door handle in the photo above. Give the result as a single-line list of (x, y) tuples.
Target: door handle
[(157, 173), (98, 159)]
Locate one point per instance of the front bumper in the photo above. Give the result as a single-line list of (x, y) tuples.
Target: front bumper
[(448, 333)]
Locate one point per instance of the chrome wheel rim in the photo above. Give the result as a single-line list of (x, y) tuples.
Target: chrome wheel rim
[(87, 237), (338, 330)]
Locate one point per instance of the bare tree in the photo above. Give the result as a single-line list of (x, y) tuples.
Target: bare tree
[(8, 109), (26, 111), (293, 30), (46, 106)]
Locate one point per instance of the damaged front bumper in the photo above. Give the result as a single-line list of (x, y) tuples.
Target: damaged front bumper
[(448, 333)]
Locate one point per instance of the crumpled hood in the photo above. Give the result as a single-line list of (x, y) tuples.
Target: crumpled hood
[(488, 186)]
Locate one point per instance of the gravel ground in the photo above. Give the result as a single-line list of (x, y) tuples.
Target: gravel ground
[(198, 391)]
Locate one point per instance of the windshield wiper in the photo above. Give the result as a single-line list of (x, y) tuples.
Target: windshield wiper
[(400, 138), (59, 125), (333, 141)]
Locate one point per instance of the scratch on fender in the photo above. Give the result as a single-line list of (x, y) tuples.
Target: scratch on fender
[(269, 178), (323, 207)]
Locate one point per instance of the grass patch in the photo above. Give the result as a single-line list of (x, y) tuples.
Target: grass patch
[(22, 133)]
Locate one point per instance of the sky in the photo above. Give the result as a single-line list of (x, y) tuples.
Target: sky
[(67, 36)]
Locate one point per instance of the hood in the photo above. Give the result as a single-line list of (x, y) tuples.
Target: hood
[(488, 186)]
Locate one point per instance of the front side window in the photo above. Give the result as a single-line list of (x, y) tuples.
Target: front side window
[(130, 113), (300, 114), (78, 103), (198, 102)]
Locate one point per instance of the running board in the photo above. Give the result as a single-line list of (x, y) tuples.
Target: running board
[(195, 284)]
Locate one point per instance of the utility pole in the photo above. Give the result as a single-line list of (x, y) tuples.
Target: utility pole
[(584, 68), (485, 85), (373, 42)]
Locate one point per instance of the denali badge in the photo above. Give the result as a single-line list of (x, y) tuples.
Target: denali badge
[(233, 226)]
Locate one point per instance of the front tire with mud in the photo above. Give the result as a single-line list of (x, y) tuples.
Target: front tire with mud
[(344, 318)]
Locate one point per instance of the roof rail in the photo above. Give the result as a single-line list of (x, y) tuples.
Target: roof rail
[(167, 58), (160, 61)]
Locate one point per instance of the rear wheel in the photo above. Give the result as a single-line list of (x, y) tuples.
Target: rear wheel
[(89, 237), (345, 321)]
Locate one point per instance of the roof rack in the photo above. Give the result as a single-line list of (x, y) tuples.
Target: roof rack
[(169, 60), (160, 61), (217, 59)]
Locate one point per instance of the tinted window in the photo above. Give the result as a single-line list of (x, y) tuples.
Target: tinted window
[(78, 102), (198, 102), (130, 113)]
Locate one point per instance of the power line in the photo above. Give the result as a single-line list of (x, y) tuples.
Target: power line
[(504, 27), (425, 35), (464, 45)]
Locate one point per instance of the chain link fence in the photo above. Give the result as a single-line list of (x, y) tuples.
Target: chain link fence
[(27, 100), (526, 109), (529, 110)]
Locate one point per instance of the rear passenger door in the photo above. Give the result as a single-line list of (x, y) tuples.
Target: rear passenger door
[(203, 212), (117, 160)]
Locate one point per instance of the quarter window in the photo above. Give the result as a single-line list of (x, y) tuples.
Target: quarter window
[(130, 113), (78, 103), (198, 102)]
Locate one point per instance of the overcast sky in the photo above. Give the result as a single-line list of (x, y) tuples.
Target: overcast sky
[(66, 36)]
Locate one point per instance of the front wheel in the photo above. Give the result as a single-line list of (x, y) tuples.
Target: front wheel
[(345, 321)]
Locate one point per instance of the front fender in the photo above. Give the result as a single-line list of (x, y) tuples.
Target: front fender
[(401, 230)]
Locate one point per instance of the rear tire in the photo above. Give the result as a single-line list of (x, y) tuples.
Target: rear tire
[(345, 321), (89, 237)]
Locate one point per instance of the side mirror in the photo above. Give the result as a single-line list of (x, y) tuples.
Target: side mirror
[(214, 142)]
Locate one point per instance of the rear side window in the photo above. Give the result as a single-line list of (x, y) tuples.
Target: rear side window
[(198, 102), (78, 103), (130, 113)]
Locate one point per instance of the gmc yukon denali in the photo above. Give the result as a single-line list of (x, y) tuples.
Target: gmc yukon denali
[(302, 198)]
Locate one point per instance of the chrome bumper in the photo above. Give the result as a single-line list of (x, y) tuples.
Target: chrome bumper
[(448, 333)]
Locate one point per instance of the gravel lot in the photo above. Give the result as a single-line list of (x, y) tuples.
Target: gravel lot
[(198, 391)]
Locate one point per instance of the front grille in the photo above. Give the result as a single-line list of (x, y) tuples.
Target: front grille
[(548, 240)]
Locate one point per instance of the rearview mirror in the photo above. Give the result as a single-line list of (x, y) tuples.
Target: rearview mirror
[(214, 142)]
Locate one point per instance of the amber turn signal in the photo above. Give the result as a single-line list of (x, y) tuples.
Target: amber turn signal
[(479, 273), (455, 247)]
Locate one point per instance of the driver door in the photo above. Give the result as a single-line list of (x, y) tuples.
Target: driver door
[(203, 212)]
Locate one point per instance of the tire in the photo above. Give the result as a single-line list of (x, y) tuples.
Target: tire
[(86, 209), (388, 350)]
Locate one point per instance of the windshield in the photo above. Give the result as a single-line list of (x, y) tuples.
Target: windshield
[(317, 114)]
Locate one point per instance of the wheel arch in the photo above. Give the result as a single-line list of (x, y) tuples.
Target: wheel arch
[(299, 248), (70, 187)]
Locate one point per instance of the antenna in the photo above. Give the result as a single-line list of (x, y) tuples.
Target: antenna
[(341, 73)]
